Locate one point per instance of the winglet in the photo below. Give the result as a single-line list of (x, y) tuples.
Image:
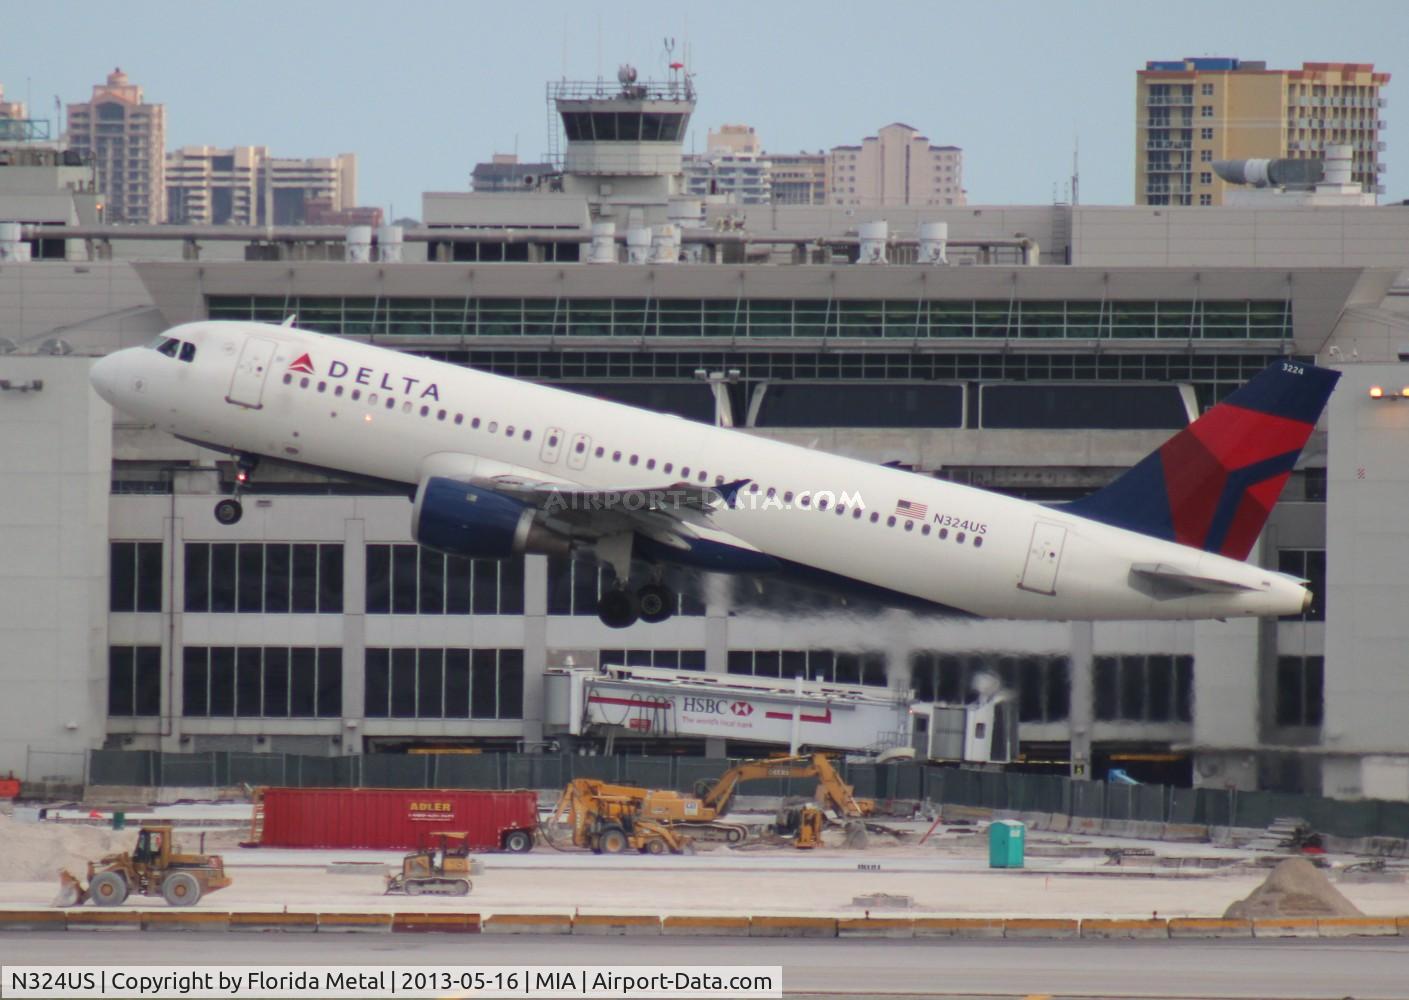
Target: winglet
[(729, 491), (1213, 484)]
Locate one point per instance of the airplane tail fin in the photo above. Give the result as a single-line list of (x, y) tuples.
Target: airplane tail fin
[(1213, 484)]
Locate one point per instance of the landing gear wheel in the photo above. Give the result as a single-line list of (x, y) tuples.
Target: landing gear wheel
[(229, 511), (612, 840), (656, 601), (180, 889), (518, 841), (617, 609), (108, 889)]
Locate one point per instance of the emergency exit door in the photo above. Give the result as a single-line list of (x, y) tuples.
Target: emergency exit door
[(1044, 555), (247, 384)]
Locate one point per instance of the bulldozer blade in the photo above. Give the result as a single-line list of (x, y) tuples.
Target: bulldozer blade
[(71, 891)]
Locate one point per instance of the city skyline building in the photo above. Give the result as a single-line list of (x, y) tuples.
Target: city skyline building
[(896, 166), (799, 178), (244, 185), (733, 163), (1191, 112), (126, 136)]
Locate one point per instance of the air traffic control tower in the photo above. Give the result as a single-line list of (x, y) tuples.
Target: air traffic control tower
[(624, 143)]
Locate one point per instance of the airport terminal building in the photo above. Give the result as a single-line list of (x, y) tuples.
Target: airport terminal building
[(1036, 350)]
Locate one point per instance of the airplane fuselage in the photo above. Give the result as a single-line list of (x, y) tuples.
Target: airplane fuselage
[(369, 411)]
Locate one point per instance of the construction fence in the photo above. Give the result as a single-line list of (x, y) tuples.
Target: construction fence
[(1000, 791)]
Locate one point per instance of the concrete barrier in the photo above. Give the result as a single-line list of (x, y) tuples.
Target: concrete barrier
[(1118, 930), (354, 923), (527, 923), (103, 920), (282, 922), (1209, 927), (614, 925), (793, 927), (876, 927), (435, 923), (1049, 928), (957, 927), (1404, 926), (185, 920), (1284, 927), (705, 926), (1343, 927), (33, 920)]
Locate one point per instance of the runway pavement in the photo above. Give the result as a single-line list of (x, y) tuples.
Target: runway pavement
[(1213, 970)]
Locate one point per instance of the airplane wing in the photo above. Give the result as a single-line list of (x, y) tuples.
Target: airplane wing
[(676, 514)]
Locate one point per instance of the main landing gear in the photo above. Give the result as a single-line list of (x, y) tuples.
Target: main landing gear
[(230, 510), (620, 608)]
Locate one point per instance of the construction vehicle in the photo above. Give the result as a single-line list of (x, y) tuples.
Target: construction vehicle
[(609, 819), (440, 870), (152, 868), (612, 818)]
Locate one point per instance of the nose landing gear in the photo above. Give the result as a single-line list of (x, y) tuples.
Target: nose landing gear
[(230, 510)]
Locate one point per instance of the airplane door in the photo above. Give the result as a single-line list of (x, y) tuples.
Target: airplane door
[(577, 455), (1043, 557), (247, 384), (552, 445)]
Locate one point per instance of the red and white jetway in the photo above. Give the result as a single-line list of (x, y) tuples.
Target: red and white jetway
[(654, 702)]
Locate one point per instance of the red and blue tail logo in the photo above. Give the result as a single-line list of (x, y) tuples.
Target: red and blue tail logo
[(1213, 484)]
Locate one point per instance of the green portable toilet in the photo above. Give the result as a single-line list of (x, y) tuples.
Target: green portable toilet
[(1006, 843), (119, 820)]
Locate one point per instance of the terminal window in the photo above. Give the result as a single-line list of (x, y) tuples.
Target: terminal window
[(1300, 690), (410, 580), (134, 576), (1144, 688), (275, 682), (134, 681), (264, 577), (811, 664), (413, 683), (1042, 683)]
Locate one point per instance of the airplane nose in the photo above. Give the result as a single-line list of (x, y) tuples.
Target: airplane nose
[(103, 376)]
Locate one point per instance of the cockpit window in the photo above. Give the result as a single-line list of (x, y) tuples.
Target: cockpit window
[(188, 351), (169, 347)]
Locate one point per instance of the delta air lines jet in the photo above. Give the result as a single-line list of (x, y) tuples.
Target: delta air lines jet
[(494, 467)]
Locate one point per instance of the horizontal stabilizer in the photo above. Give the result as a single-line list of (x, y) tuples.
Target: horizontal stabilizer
[(1198, 582)]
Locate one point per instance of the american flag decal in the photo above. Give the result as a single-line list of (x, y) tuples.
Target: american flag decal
[(909, 508)]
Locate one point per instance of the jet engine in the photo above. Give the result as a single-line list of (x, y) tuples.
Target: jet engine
[(463, 520)]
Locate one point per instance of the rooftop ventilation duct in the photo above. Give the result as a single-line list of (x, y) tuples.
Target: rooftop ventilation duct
[(1271, 173), (359, 244), (603, 247), (873, 242), (389, 244), (638, 245), (934, 241)]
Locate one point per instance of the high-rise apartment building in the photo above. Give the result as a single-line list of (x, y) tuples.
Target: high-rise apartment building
[(733, 163), (126, 138), (1190, 112), (244, 185), (11, 109), (799, 178), (897, 166)]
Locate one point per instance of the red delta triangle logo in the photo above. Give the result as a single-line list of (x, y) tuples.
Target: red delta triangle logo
[(303, 364)]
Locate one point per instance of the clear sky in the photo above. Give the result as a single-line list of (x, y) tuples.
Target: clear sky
[(423, 89)]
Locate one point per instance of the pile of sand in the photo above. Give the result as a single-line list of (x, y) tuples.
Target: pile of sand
[(34, 852), (1296, 888)]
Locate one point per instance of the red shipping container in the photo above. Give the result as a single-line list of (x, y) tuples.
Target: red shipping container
[(397, 818)]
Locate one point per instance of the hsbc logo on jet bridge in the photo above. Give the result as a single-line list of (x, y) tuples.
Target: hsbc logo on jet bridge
[(370, 377), (715, 706)]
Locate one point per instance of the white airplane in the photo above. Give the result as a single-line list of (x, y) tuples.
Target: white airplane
[(496, 466)]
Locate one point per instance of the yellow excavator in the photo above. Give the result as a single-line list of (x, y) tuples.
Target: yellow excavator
[(152, 868), (610, 819)]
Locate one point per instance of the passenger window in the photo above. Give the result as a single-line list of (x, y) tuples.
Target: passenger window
[(788, 497), (924, 529), (875, 516), (580, 447), (528, 435), (959, 538), (702, 476), (459, 418), (684, 472), (632, 460), (804, 500), (322, 386), (822, 504), (356, 394), (552, 440), (391, 403), (909, 525), (188, 352), (406, 406), (288, 379), (337, 390), (667, 467), (474, 424), (600, 452), (890, 522), (303, 383), (371, 399), (440, 415), (425, 411), (650, 463), (978, 542), (616, 456), (943, 534), (493, 426), (856, 512)]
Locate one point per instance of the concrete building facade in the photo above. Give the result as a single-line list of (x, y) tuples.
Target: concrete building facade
[(126, 138), (1193, 111), (733, 164), (895, 167), (799, 178), (316, 625)]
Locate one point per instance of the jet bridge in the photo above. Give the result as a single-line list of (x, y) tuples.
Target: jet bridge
[(654, 702)]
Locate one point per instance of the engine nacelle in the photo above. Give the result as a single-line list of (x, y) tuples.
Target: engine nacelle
[(463, 520)]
